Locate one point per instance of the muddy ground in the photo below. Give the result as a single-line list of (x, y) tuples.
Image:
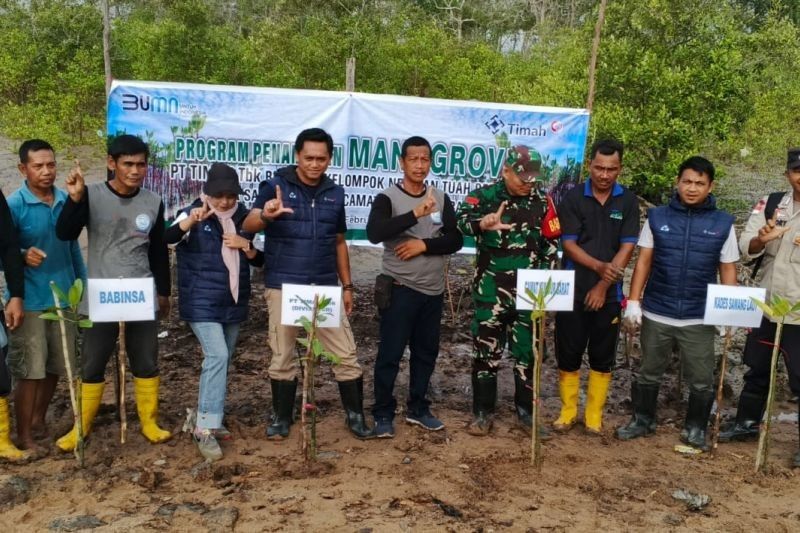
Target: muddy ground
[(443, 481)]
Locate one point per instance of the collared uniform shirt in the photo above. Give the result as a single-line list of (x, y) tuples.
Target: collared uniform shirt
[(599, 229)]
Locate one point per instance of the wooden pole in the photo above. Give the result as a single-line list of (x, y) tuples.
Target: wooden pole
[(763, 436), (308, 444), (121, 355), (536, 441), (722, 367), (350, 75), (106, 44), (74, 395), (595, 49)]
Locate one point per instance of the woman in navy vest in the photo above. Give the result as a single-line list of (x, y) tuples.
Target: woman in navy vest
[(214, 258)]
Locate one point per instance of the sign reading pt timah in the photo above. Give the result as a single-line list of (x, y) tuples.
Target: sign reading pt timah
[(298, 300)]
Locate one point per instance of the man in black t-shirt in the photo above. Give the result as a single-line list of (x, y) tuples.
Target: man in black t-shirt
[(600, 226)]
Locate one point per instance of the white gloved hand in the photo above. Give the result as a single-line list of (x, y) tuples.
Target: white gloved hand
[(632, 318)]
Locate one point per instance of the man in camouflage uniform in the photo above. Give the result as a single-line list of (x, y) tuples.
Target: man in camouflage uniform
[(505, 218)]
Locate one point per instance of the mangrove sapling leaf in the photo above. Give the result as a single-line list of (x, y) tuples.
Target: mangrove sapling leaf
[(62, 297), (763, 306), (51, 315), (85, 323)]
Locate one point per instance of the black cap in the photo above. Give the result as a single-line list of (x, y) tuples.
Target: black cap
[(793, 159), (222, 179)]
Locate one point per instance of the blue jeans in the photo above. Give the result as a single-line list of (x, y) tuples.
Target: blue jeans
[(412, 319), (218, 342)]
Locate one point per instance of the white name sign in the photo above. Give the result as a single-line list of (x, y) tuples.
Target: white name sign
[(119, 299), (731, 306), (562, 288), (298, 301)]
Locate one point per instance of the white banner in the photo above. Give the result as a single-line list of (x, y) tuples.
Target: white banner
[(560, 296), (120, 299), (298, 301), (191, 126), (727, 305)]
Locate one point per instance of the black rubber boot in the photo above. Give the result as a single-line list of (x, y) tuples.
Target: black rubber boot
[(352, 393), (484, 399), (283, 394), (643, 422), (696, 424), (523, 404), (749, 414)]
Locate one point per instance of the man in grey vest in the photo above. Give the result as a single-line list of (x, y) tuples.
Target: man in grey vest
[(125, 224), (417, 226)]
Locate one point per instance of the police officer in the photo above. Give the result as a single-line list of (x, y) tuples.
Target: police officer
[(506, 220), (773, 234)]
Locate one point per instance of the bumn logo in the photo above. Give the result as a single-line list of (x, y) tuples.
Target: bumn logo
[(154, 104), (494, 124)]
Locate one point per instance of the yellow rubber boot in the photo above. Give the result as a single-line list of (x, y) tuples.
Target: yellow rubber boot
[(146, 390), (91, 394), (568, 385), (7, 449), (596, 392)]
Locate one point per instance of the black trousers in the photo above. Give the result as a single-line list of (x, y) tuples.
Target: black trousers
[(5, 375), (141, 344), (597, 330), (758, 355), (412, 319)]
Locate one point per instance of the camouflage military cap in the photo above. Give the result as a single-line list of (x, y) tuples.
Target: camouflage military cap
[(526, 162)]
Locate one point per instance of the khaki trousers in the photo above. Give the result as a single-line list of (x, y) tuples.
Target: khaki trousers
[(283, 343)]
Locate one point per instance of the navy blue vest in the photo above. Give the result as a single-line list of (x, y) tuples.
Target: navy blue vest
[(685, 258), (301, 246), (204, 293)]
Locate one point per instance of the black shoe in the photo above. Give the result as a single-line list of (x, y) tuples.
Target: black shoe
[(749, 413), (484, 399), (523, 405), (643, 422), (696, 424), (352, 393), (283, 395)]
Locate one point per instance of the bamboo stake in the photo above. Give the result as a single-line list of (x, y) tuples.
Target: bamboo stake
[(722, 368), (309, 442), (121, 355), (449, 291), (763, 435), (536, 441), (74, 395)]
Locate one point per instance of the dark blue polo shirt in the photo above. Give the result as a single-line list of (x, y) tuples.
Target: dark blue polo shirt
[(599, 230)]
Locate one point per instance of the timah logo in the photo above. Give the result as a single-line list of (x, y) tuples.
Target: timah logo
[(494, 124), (154, 104)]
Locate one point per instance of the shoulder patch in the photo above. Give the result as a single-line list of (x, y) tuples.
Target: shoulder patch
[(760, 206), (471, 200)]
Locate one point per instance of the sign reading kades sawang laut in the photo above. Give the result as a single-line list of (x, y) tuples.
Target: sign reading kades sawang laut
[(733, 306), (562, 288), (298, 301), (121, 299)]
